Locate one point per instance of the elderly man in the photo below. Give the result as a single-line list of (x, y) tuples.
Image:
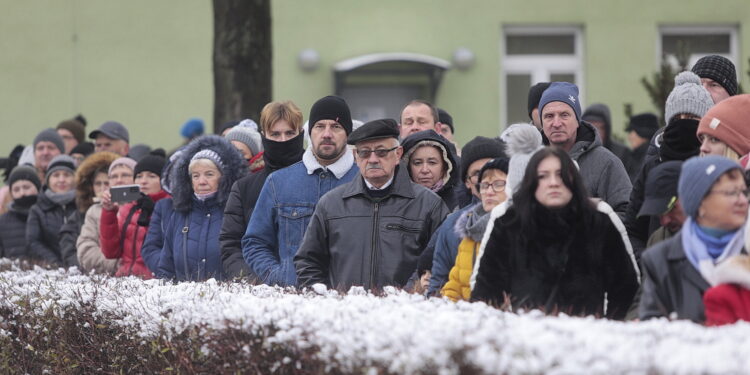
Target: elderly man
[(289, 195), (47, 144), (371, 231), (113, 137), (603, 173)]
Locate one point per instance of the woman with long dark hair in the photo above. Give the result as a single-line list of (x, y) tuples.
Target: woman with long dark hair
[(555, 248)]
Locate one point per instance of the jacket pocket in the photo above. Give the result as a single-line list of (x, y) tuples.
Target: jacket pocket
[(402, 228), (293, 223)]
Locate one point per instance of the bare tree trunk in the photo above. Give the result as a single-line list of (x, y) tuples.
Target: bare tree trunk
[(241, 59)]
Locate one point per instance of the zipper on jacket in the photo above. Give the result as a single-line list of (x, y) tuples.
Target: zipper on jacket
[(184, 246), (135, 240), (401, 228), (374, 244)]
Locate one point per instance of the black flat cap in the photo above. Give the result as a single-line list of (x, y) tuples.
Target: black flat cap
[(661, 188), (383, 128)]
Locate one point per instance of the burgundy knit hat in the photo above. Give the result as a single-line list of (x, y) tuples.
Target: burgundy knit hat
[(729, 122)]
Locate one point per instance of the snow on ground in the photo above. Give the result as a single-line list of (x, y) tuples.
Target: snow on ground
[(402, 331)]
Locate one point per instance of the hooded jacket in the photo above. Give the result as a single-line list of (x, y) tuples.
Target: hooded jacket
[(13, 232), (191, 248), (242, 201), (354, 239), (448, 192), (603, 173), (43, 228), (617, 148), (121, 237)]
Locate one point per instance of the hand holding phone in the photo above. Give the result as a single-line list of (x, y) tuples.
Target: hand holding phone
[(125, 193)]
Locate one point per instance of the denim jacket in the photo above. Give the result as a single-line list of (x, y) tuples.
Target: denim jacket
[(282, 213)]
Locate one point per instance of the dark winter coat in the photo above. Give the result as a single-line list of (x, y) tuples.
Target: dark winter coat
[(191, 243), (43, 231), (13, 233), (69, 233), (636, 160), (570, 264), (154, 240), (191, 248), (242, 201), (354, 239), (671, 284), (448, 193)]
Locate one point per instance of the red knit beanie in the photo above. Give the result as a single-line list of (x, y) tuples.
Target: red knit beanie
[(729, 122)]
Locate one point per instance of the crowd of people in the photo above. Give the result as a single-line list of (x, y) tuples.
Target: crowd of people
[(554, 214)]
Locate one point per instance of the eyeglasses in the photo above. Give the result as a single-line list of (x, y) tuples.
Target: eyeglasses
[(497, 186), (733, 194), (381, 152)]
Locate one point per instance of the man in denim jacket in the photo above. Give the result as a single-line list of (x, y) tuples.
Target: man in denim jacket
[(289, 195)]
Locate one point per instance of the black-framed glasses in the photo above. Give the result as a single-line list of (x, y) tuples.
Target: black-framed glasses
[(497, 186), (381, 152), (473, 178)]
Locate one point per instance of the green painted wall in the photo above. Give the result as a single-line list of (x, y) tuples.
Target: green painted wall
[(144, 63), (148, 63)]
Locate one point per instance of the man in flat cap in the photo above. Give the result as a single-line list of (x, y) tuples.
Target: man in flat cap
[(113, 137), (370, 231)]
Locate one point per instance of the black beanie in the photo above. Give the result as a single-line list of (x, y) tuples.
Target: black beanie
[(85, 149), (424, 263), (331, 108), (479, 148), (445, 118), (25, 172), (644, 124), (535, 94), (150, 163), (718, 68), (500, 163)]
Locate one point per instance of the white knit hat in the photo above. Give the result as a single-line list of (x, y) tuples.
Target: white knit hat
[(521, 142)]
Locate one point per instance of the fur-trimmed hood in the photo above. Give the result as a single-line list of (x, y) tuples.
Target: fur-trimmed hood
[(432, 138), (85, 175), (235, 168)]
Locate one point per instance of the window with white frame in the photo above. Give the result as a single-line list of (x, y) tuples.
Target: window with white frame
[(698, 41), (537, 54)]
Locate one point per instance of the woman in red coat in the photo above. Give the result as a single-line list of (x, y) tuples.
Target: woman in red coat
[(123, 227), (729, 300)]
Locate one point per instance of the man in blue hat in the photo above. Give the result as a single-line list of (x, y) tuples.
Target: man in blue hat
[(603, 173)]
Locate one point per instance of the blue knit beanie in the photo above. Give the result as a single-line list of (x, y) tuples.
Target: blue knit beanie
[(562, 92), (192, 128), (697, 176)]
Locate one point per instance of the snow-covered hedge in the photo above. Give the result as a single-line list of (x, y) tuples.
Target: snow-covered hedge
[(62, 321)]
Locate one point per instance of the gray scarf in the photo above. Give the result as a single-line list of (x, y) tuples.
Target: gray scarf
[(476, 222), (60, 199)]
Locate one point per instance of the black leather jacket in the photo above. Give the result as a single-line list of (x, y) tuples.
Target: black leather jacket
[(354, 239)]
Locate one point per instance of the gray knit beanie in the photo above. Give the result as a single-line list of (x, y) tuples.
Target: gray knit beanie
[(50, 135), (697, 176), (246, 135), (521, 142), (688, 96)]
